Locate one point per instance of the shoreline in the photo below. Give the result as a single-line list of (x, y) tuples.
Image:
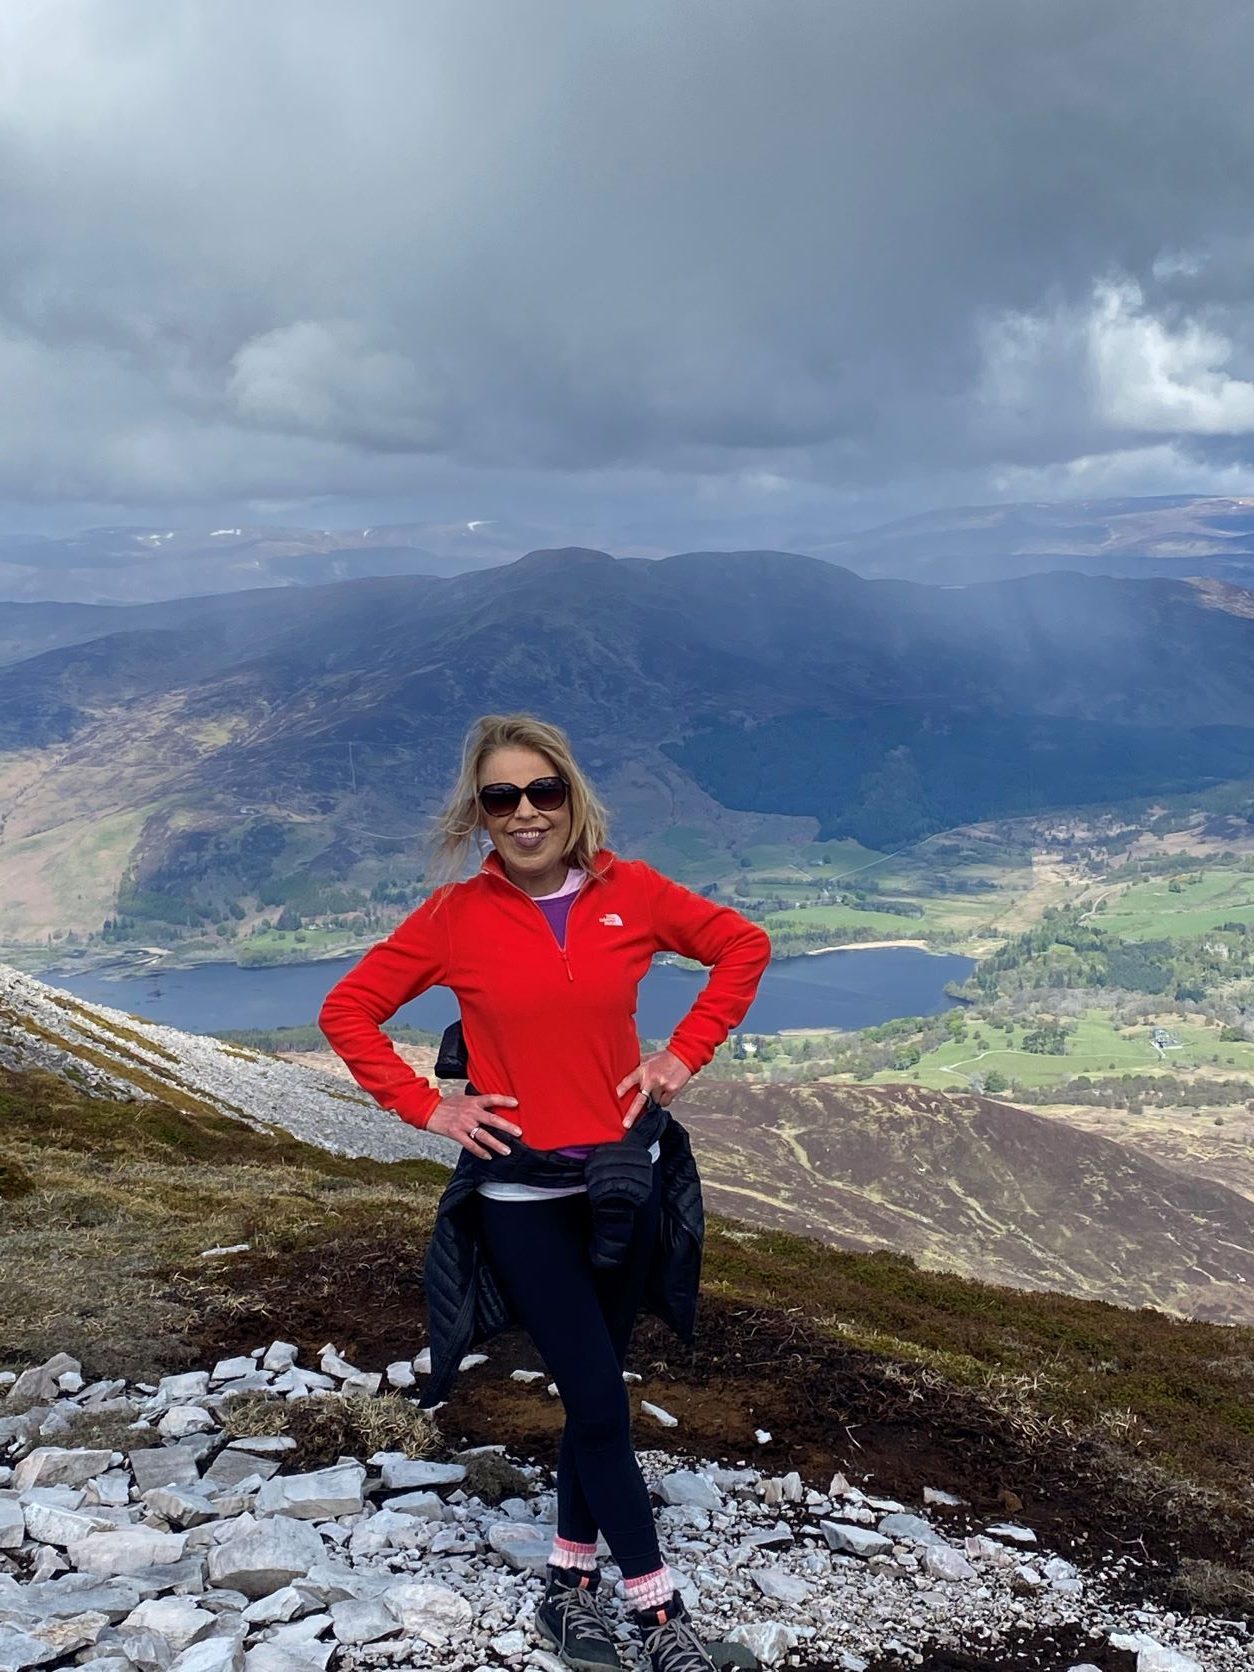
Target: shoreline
[(860, 946), (157, 961)]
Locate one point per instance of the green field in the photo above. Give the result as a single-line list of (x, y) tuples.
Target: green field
[(1150, 910), (939, 916), (1096, 1048)]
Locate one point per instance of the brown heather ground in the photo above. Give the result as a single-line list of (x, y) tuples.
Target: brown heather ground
[(1106, 1429)]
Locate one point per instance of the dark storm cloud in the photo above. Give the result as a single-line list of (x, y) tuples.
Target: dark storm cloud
[(297, 249)]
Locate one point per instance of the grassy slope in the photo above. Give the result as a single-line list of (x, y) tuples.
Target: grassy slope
[(1096, 1048), (107, 1207)]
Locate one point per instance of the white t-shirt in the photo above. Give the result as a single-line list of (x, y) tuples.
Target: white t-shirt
[(501, 1190)]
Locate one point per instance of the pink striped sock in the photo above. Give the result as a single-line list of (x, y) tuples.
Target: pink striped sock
[(567, 1554), (650, 1590)]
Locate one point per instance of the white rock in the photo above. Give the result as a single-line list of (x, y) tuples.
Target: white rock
[(910, 1527), (942, 1561), (263, 1557), (112, 1488), (227, 1369), (184, 1389), (182, 1420), (50, 1524), (422, 1362), (179, 1507), (685, 1486), (296, 1383), (769, 1641), (364, 1382), (319, 1496), (424, 1506), (400, 1374), (1056, 1568), (39, 1381), (934, 1495), (762, 1436), (1008, 1530), (177, 1619), (263, 1445), (418, 1472), (36, 1645), (362, 1620), (659, 1415), (526, 1376), (524, 1548), (59, 1466), (849, 1538), (276, 1608), (509, 1643), (211, 1654), (1157, 1657), (781, 1586), (419, 1606), (471, 1360), (280, 1355), (331, 1363), (164, 1466), (12, 1524), (126, 1550)]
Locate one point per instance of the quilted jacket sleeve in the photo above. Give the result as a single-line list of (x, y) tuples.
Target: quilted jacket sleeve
[(412, 958), (735, 950)]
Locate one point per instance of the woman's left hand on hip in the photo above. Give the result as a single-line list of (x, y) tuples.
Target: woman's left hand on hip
[(659, 1076)]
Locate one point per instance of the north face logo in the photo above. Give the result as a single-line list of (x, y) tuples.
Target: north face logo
[(612, 920)]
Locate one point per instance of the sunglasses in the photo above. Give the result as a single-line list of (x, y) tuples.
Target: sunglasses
[(546, 795)]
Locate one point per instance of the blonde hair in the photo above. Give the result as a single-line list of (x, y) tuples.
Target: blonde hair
[(460, 819)]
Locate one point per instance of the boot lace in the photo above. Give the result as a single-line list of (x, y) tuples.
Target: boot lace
[(576, 1605), (675, 1647)]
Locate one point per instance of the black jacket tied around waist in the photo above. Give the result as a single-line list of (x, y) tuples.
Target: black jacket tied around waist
[(465, 1304)]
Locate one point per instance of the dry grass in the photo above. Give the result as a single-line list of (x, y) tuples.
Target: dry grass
[(105, 1200), (332, 1425), (1216, 1588)]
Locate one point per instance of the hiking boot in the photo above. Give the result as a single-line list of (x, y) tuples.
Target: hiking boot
[(569, 1618), (669, 1639)]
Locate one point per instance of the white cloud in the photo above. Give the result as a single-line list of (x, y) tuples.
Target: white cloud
[(1111, 365)]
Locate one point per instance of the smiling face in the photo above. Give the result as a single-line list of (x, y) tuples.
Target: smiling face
[(532, 845)]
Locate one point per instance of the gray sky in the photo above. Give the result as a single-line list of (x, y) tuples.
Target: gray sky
[(683, 268)]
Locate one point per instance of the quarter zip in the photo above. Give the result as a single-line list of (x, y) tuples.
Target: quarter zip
[(574, 905)]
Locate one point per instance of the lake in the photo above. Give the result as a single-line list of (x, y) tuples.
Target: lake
[(825, 990)]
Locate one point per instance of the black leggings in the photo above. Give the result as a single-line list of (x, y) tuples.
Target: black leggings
[(581, 1321)]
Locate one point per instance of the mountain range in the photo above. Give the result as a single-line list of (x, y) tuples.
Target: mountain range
[(1168, 537), (195, 745)]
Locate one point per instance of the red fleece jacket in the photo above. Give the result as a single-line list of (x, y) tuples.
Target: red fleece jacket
[(554, 1027)]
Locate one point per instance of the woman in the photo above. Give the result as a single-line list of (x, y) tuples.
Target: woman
[(545, 948)]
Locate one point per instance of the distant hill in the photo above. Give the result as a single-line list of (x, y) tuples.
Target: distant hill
[(197, 747), (974, 1186), (1166, 537), (144, 565)]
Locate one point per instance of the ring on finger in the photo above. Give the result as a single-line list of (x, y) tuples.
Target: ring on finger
[(474, 1133)]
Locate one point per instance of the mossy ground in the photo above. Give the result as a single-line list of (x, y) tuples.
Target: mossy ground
[(1104, 1428)]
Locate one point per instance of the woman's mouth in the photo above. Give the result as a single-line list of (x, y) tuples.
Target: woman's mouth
[(527, 840)]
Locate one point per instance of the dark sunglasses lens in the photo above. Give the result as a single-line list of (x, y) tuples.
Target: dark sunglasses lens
[(499, 799), (546, 795)]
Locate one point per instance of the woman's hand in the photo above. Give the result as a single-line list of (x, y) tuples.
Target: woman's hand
[(468, 1119), (660, 1077)]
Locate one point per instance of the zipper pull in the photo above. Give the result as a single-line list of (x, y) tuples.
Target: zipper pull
[(566, 961)]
